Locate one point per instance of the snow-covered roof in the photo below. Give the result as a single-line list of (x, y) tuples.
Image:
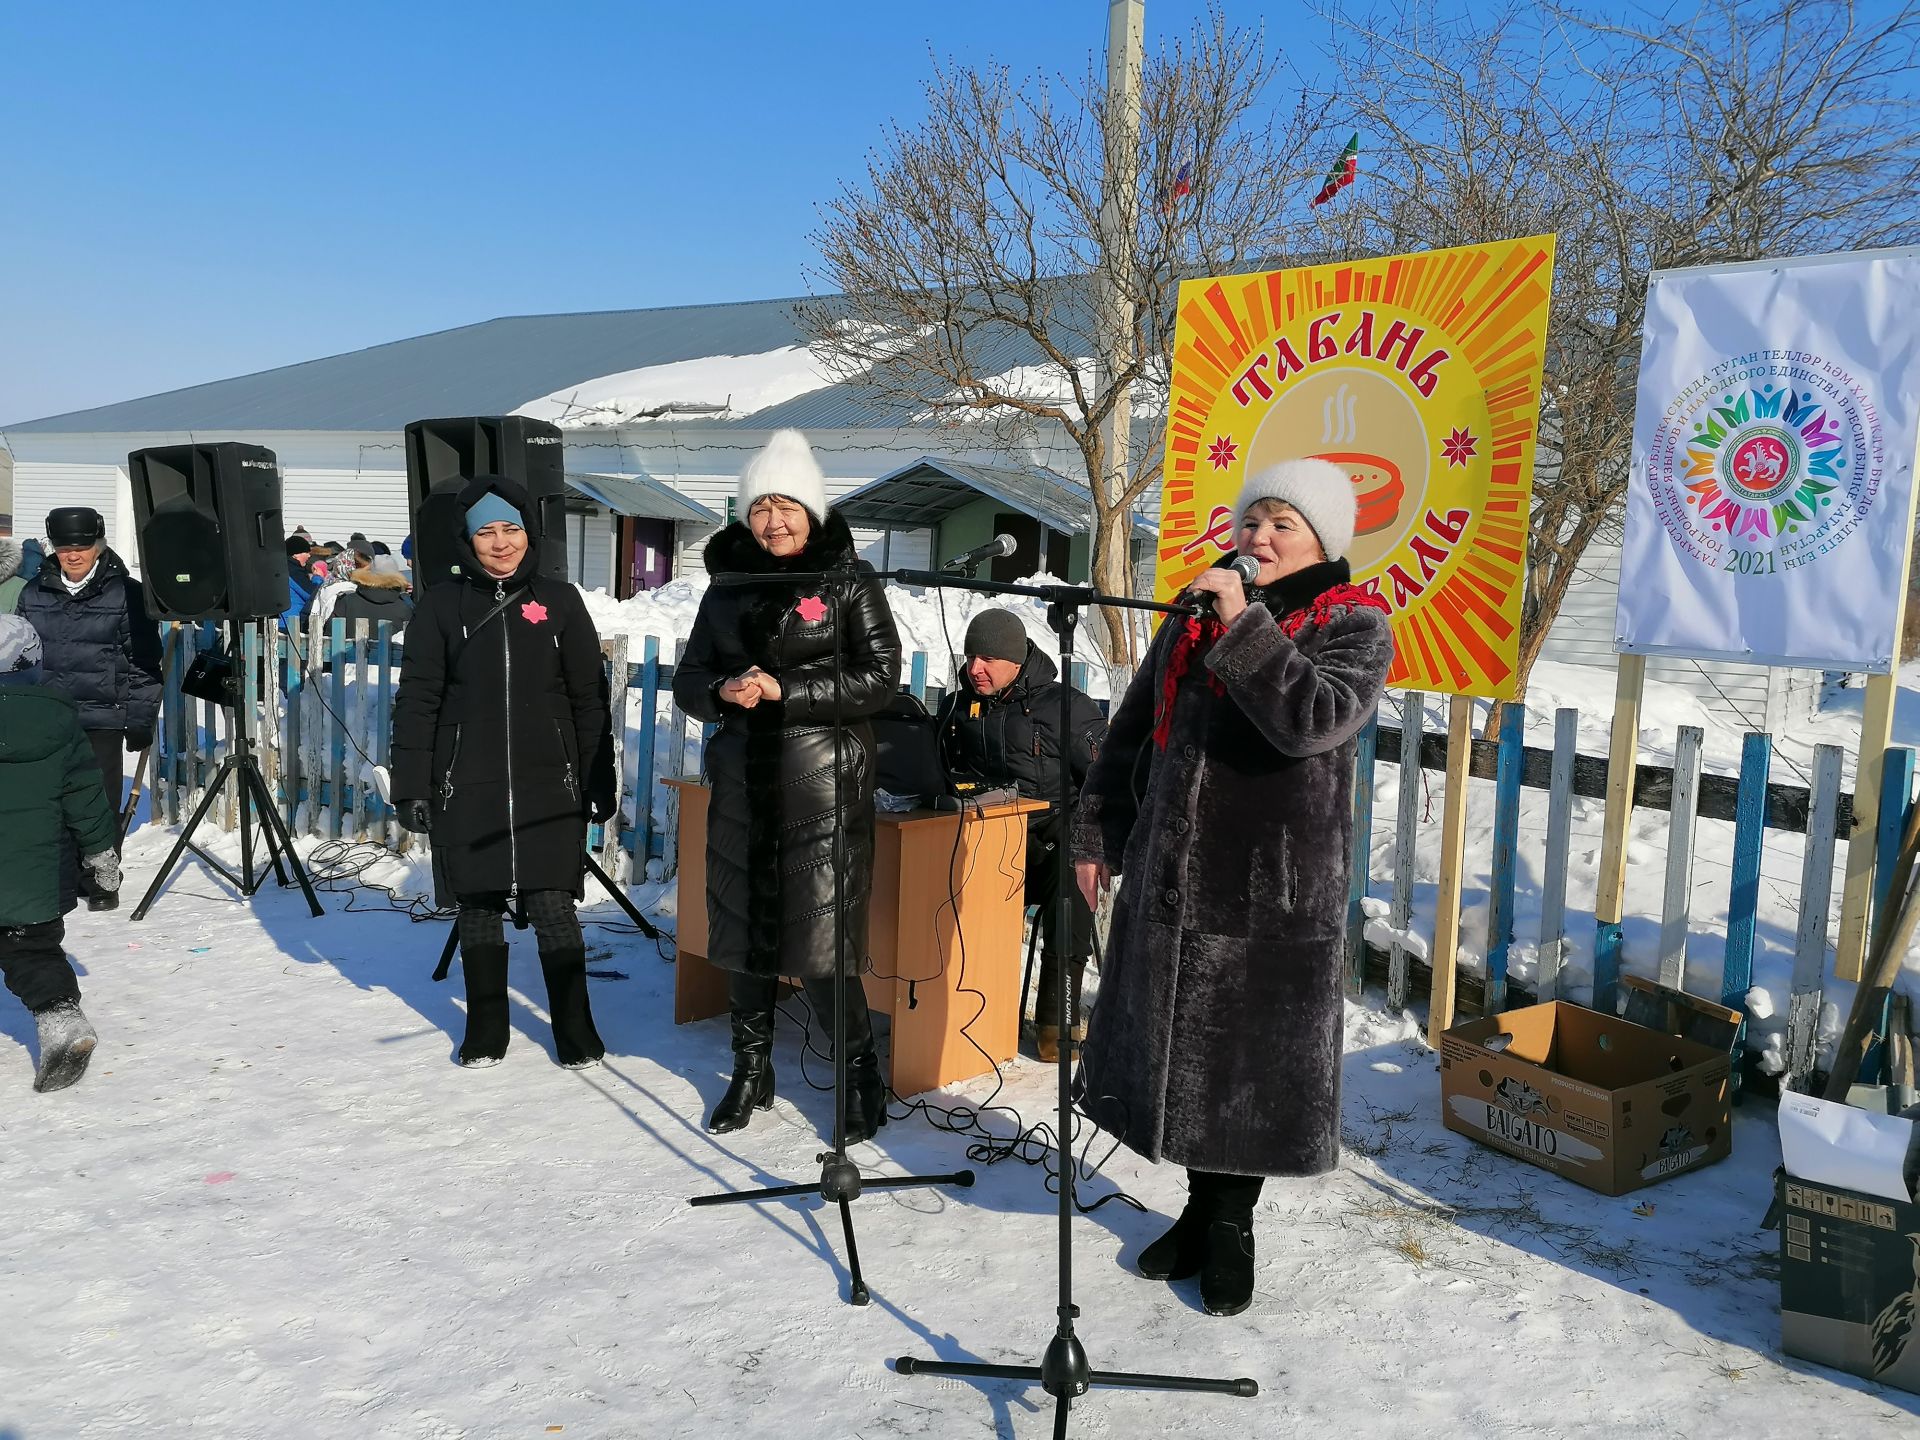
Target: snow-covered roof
[(742, 364), (492, 368)]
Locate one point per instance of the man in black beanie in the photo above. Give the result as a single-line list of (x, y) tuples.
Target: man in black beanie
[(1001, 725), (98, 647)]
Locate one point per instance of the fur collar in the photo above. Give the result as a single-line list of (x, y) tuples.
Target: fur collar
[(367, 580), (734, 551)]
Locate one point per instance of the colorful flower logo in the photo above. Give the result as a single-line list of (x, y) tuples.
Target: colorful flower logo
[(1761, 476)]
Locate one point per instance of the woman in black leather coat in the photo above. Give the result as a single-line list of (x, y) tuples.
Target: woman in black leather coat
[(759, 663)]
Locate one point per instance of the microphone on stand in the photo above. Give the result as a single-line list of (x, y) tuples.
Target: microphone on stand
[(1245, 566), (992, 550)]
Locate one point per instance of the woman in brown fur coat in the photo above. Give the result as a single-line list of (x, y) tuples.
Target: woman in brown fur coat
[(1223, 801)]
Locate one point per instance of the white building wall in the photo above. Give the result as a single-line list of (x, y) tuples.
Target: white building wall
[(1582, 634)]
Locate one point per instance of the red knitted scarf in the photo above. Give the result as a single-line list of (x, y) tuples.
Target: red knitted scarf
[(1197, 636)]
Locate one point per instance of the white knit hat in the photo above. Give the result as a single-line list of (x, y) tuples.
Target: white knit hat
[(785, 467), (1320, 490)]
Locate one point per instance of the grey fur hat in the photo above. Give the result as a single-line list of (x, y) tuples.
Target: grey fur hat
[(10, 557)]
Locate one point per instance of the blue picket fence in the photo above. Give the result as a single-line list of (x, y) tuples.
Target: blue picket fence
[(322, 726)]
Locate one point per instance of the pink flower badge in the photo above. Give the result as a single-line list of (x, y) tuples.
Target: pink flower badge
[(812, 609), (534, 611)]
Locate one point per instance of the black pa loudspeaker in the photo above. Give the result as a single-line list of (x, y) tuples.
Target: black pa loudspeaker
[(207, 518), (444, 455)]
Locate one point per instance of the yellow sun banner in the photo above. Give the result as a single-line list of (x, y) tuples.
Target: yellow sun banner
[(1419, 375)]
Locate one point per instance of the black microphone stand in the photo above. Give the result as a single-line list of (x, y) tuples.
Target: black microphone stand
[(1063, 1371), (840, 1181)]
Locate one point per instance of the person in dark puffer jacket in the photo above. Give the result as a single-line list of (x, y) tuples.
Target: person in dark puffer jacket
[(380, 592), (1001, 725), (98, 646), (759, 663), (502, 750), (52, 808)]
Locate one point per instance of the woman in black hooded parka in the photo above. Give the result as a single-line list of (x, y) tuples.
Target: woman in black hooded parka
[(760, 663), (502, 750)]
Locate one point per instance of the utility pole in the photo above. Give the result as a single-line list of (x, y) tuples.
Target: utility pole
[(1119, 218)]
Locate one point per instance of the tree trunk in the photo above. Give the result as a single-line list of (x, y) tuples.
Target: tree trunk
[(1112, 574)]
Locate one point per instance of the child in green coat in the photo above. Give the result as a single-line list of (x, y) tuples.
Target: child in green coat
[(50, 790)]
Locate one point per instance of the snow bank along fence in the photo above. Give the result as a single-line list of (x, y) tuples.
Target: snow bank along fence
[(327, 717)]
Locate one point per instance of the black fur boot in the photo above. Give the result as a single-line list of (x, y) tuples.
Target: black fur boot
[(752, 1086), (485, 968), (576, 1042)]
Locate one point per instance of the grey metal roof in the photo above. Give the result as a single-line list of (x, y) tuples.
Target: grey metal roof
[(644, 495), (497, 366), (486, 369), (921, 494)]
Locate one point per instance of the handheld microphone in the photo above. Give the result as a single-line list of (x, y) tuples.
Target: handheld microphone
[(1245, 566), (992, 550)]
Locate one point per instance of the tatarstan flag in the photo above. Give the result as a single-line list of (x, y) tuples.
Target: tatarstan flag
[(1342, 173)]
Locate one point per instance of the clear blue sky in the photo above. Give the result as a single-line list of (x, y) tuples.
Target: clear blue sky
[(197, 190)]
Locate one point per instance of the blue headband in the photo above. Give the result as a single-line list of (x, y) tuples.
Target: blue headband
[(489, 508)]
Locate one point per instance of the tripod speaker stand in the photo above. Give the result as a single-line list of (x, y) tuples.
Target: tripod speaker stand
[(840, 1181), (1063, 1371), (251, 795)]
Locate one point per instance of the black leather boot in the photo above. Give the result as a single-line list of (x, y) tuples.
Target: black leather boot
[(575, 1040), (751, 1088), (866, 1107), (485, 968), (1180, 1253)]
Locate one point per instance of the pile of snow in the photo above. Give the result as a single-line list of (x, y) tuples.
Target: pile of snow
[(709, 385)]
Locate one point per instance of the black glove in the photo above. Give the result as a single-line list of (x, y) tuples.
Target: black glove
[(138, 740), (602, 808), (415, 815)]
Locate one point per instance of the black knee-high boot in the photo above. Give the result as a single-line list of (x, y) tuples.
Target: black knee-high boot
[(866, 1103), (485, 969), (576, 1043), (751, 998)]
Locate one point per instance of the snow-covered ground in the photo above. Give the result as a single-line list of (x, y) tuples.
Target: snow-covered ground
[(276, 1208)]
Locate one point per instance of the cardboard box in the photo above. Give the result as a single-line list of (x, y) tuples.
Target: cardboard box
[(1606, 1102), (1850, 1281)]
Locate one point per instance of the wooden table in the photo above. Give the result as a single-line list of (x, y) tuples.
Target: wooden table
[(944, 929)]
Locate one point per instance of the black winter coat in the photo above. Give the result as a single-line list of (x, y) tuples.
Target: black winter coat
[(770, 825), (505, 730), (374, 598), (1014, 738), (1217, 1038), (98, 647), (53, 807)]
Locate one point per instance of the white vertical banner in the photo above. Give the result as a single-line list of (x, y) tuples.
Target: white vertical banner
[(1771, 501)]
